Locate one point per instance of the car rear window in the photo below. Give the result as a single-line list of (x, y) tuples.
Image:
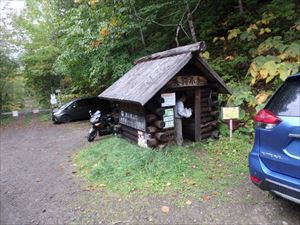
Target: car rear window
[(286, 101)]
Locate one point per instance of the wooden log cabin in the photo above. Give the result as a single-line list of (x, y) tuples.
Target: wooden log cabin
[(146, 96)]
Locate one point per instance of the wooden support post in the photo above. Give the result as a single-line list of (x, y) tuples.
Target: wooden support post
[(230, 129), (198, 114)]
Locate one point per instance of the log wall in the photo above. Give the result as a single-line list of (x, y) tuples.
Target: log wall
[(159, 135)]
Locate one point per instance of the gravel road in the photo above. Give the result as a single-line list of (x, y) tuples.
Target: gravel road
[(39, 185)]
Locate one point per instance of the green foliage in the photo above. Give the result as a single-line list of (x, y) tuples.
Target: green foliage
[(200, 169), (64, 98), (258, 55), (40, 48), (11, 84), (44, 117), (5, 120), (83, 46)]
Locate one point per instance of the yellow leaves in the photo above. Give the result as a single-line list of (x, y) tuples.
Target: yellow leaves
[(93, 3), (253, 71), (264, 73), (267, 72), (114, 22), (77, 1), (252, 27), (283, 56), (233, 33), (95, 43), (269, 68), (264, 30), (107, 27), (205, 55), (268, 30), (104, 32), (262, 97), (283, 71), (229, 58), (218, 38), (266, 19)]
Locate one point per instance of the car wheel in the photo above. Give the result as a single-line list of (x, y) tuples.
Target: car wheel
[(65, 119)]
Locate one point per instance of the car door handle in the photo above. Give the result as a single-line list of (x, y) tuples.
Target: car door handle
[(294, 135)]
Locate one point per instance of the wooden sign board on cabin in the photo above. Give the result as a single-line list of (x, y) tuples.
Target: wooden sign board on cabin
[(187, 81), (169, 118), (169, 99), (132, 120), (230, 113)]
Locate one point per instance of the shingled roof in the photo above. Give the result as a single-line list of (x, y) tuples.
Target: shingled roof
[(153, 72)]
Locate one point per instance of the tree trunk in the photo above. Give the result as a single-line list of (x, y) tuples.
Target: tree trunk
[(139, 24), (241, 8), (190, 21)]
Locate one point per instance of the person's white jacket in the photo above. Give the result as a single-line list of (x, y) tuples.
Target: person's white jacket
[(180, 111)]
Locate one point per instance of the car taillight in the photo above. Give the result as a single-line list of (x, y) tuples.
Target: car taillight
[(266, 118)]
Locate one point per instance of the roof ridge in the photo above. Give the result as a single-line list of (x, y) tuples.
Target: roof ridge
[(196, 47)]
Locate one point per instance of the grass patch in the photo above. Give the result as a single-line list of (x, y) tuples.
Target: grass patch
[(5, 120), (44, 117), (199, 169), (28, 118)]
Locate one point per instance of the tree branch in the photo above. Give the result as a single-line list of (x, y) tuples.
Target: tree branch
[(190, 21)]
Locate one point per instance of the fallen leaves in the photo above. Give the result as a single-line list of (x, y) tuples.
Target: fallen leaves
[(191, 182), (206, 198), (101, 185), (194, 166), (165, 209), (188, 202)]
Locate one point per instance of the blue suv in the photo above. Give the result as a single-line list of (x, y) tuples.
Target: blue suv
[(274, 161)]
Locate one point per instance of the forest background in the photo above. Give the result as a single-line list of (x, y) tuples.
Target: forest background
[(83, 46)]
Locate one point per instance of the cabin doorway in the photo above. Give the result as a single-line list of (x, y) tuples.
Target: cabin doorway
[(188, 124), (199, 99)]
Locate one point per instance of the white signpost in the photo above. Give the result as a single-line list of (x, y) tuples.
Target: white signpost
[(230, 113), (15, 113), (53, 99), (35, 111)]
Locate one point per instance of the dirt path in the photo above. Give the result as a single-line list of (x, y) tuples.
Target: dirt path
[(39, 186)]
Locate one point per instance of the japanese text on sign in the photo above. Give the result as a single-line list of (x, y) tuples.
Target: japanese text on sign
[(230, 113)]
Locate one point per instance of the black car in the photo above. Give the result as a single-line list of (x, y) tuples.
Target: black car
[(78, 109)]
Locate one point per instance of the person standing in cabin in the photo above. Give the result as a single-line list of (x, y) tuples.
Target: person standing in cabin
[(180, 112)]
